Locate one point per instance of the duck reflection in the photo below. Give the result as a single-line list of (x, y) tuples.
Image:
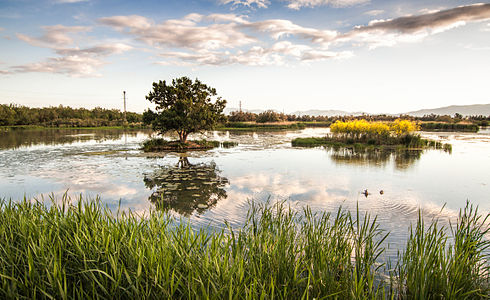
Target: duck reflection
[(402, 159), (185, 187)]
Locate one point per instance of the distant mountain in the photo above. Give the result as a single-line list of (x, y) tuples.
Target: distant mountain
[(465, 110), (328, 113)]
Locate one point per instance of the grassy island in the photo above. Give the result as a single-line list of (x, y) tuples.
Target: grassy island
[(439, 126), (160, 144), (361, 134), (83, 250)]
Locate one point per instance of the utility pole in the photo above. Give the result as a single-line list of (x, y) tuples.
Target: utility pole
[(124, 95), (240, 105)]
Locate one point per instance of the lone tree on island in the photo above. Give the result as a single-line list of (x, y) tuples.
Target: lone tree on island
[(186, 106)]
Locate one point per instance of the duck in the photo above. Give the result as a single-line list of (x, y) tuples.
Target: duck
[(365, 193), (381, 192)]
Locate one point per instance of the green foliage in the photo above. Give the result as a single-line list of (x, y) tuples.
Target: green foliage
[(185, 106), (83, 250), (65, 116), (431, 126), (437, 266), (242, 126), (240, 116), (270, 116)]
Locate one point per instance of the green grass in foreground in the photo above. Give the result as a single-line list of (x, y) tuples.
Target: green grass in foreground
[(85, 251)]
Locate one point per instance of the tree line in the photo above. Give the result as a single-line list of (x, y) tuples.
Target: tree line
[(65, 116), (273, 116)]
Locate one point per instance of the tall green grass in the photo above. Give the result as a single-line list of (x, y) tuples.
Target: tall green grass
[(83, 250)]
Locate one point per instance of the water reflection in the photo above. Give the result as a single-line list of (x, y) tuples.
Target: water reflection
[(16, 138), (185, 187), (402, 159)]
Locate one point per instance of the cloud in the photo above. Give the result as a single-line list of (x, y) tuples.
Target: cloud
[(69, 1), (297, 4), (54, 36), (75, 62), (279, 28), (73, 65), (183, 33), (2, 29), (435, 21), (247, 3), (278, 54), (221, 39), (415, 28), (72, 61), (374, 12)]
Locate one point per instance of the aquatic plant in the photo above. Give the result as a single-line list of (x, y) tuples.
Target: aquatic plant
[(438, 265), (84, 250)]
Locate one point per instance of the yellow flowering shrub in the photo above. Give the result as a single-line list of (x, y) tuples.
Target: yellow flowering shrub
[(359, 129)]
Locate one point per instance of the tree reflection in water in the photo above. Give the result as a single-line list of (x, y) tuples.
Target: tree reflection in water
[(402, 159), (185, 187)]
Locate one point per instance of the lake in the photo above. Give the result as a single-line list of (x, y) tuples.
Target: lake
[(209, 187)]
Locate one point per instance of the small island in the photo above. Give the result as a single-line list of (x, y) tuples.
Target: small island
[(362, 135)]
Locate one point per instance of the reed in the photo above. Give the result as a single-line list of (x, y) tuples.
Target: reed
[(81, 249), (438, 264)]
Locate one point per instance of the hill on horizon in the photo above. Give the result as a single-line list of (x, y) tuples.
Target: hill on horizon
[(465, 110)]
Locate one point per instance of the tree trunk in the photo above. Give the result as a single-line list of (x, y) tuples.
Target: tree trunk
[(183, 136)]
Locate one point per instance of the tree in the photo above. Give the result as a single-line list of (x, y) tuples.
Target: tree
[(185, 106)]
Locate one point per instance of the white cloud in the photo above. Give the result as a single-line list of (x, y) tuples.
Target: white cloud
[(70, 1), (72, 61), (247, 3), (73, 65), (374, 12), (220, 39), (183, 33), (75, 62), (54, 36), (297, 4), (282, 28)]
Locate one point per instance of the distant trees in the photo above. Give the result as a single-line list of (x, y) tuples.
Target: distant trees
[(270, 116), (240, 116), (64, 116), (185, 106)]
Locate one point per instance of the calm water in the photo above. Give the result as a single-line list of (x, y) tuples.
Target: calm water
[(212, 186)]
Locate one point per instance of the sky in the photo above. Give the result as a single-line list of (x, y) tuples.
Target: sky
[(288, 55)]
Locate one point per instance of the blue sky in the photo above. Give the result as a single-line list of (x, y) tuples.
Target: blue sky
[(354, 55)]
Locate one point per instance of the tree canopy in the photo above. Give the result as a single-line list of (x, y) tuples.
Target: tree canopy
[(185, 106)]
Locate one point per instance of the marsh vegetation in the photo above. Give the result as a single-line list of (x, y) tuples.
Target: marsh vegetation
[(362, 134), (83, 250)]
